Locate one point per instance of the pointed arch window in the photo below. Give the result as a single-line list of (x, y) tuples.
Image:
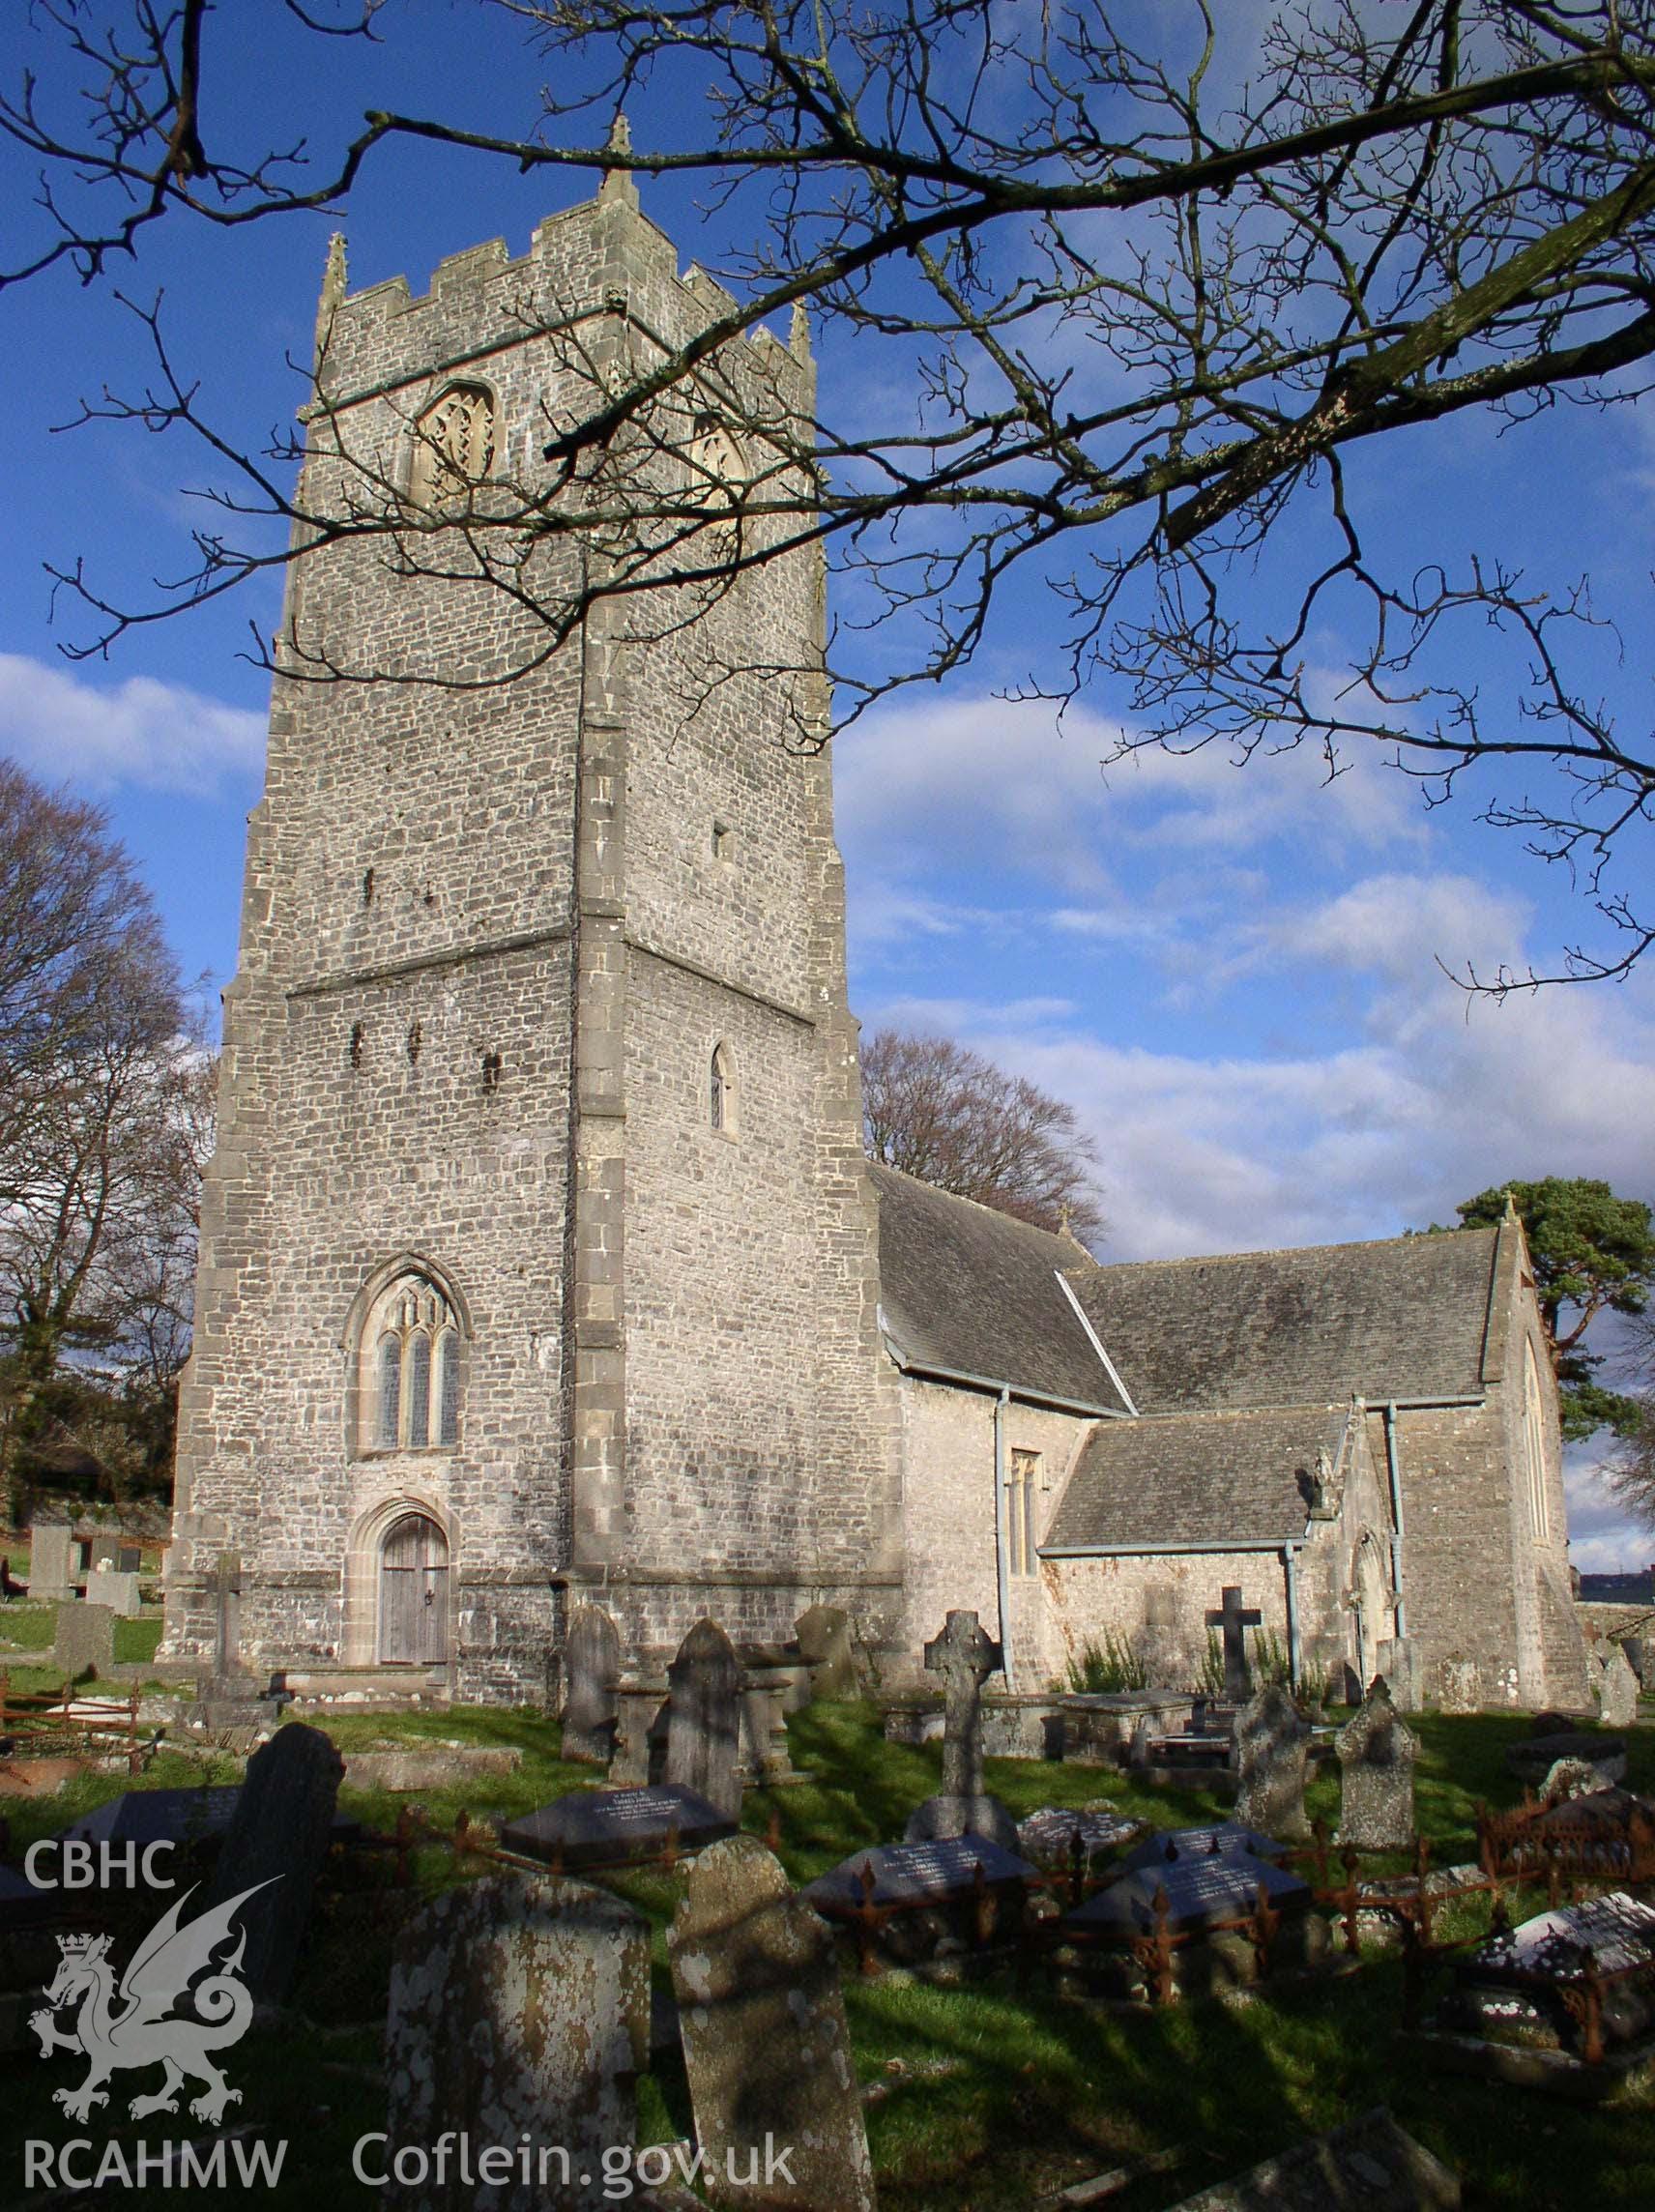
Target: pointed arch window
[(1534, 1444), (454, 446), (410, 1391)]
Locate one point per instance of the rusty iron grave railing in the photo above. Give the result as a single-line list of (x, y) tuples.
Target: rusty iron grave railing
[(36, 1718)]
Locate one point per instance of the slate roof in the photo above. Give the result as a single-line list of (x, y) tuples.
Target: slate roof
[(1400, 1318), (1191, 1478), (974, 1291)]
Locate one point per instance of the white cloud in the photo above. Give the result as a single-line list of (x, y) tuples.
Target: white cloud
[(986, 782), (160, 736), (1603, 1539)]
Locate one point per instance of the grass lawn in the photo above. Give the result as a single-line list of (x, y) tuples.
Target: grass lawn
[(989, 2097)]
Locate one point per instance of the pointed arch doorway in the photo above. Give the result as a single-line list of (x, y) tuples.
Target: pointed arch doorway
[(413, 1593)]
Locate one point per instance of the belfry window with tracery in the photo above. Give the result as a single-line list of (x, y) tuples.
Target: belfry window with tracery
[(413, 1350), (454, 446)]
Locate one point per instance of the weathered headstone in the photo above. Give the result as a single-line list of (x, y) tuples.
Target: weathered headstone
[(591, 1676), (1377, 1750), (1234, 1620), (1461, 1688), (617, 1827), (1617, 1692), (767, 1759), (1272, 1741), (1370, 2163), (1532, 1759), (1518, 1987), (519, 2012), (766, 2044), (85, 1639), (105, 1586), (704, 1717), (51, 1562), (283, 1826), (640, 1729), (102, 1552), (823, 1633), (1160, 1646)]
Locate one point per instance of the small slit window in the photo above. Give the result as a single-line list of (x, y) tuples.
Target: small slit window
[(721, 1091), (1022, 1487)]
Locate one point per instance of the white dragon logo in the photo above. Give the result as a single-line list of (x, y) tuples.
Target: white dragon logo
[(130, 2027)]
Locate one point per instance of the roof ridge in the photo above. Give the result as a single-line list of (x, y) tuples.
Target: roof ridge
[(958, 1198), (1276, 1251)]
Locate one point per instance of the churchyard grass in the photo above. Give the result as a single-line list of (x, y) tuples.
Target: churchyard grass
[(982, 2097), (25, 1627)]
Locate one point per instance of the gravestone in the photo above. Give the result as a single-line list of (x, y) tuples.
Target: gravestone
[(1617, 1692), (640, 1730), (1461, 1685), (943, 1874), (767, 1759), (130, 1560), (106, 1586), (102, 1552), (823, 1633), (518, 2011), (1200, 1888), (229, 1697), (1377, 1750), (1234, 1620), (1225, 1839), (704, 1718), (1368, 2163), (766, 2044), (1517, 1987), (1046, 1837), (85, 1639), (51, 1564), (617, 1827), (591, 1676), (283, 1828), (965, 1656), (1532, 1759), (1272, 1741)]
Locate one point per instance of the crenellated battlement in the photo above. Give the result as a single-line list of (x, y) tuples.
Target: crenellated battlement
[(601, 255)]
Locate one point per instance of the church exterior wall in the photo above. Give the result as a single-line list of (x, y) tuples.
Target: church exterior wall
[(1091, 1600)]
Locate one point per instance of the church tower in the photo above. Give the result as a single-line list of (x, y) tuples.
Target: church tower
[(538, 1255)]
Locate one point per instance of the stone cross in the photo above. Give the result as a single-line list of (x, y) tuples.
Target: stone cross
[(1235, 1622), (225, 1583), (766, 2044), (518, 2012), (965, 1655)]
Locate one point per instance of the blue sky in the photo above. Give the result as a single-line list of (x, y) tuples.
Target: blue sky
[(1233, 973)]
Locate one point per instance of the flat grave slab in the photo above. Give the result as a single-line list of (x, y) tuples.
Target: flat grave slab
[(618, 1827), (141, 1817), (1199, 1892), (1047, 1837), (1618, 1930), (1226, 1839), (939, 1873)]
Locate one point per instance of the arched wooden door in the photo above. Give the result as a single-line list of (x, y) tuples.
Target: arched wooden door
[(414, 1592)]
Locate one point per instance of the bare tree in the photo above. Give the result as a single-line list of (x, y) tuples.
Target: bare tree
[(940, 1111), (98, 1130), (1143, 307)]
